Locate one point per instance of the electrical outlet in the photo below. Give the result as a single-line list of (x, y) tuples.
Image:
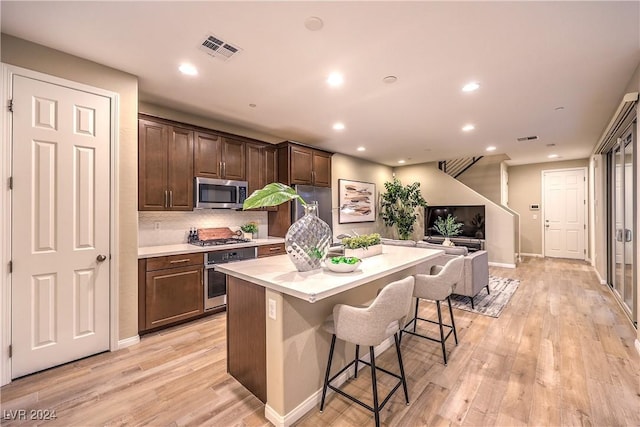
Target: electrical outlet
[(272, 309), (156, 225)]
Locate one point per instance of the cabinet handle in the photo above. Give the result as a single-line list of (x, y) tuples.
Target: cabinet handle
[(170, 198), (166, 203), (220, 169), (274, 249), (177, 261), (224, 169)]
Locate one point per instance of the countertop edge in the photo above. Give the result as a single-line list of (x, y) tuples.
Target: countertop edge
[(185, 248)]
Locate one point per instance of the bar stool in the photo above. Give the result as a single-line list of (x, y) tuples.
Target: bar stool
[(437, 287), (370, 326)]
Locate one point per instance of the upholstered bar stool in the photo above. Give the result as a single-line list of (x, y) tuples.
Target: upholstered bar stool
[(437, 287), (370, 326)]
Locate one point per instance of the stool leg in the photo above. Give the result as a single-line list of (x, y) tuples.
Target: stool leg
[(444, 351), (453, 323), (326, 375), (415, 315), (488, 291), (357, 359), (472, 305), (376, 409), (404, 379)]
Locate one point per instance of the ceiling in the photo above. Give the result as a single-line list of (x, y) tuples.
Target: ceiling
[(556, 70)]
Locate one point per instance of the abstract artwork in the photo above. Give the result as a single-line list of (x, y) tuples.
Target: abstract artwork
[(357, 201)]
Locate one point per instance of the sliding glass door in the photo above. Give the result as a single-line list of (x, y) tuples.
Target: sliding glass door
[(622, 271)]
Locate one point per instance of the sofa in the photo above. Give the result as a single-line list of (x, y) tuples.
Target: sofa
[(475, 276)]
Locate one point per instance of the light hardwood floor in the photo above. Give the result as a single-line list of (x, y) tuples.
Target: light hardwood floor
[(561, 353)]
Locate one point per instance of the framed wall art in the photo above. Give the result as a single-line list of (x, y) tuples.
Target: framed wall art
[(357, 201)]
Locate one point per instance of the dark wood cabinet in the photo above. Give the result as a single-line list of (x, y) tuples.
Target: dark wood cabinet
[(304, 165), (170, 290), (217, 156), (165, 167), (261, 165), (271, 250)]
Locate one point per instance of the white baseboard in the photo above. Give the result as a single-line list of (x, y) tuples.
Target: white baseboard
[(503, 265), (128, 342), (600, 279), (637, 343), (313, 401), (532, 255)]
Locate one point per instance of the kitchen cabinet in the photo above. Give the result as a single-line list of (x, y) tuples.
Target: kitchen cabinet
[(170, 290), (165, 167), (304, 165), (217, 156), (261, 166), (271, 250)]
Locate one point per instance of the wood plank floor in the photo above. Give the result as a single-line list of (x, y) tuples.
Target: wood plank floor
[(561, 353)]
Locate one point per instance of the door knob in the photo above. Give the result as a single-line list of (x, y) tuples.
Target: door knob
[(101, 258)]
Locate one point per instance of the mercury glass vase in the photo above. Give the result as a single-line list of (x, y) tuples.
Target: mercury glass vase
[(307, 240)]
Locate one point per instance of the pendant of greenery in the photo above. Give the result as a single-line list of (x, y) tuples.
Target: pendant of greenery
[(398, 206), (448, 227), (271, 195)]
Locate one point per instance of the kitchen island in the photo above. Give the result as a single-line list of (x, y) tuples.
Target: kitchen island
[(275, 343)]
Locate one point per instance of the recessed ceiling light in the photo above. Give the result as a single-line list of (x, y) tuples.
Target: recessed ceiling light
[(338, 126), (559, 108), (313, 23), (188, 69), (470, 87), (390, 79), (335, 79), (553, 156), (252, 105), (401, 161), (361, 148), (551, 145), (491, 148), (468, 127)]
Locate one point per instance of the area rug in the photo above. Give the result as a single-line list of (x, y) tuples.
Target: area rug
[(502, 289)]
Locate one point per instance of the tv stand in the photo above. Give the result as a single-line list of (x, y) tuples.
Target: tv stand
[(471, 244)]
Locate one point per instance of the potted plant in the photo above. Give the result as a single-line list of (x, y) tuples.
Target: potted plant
[(398, 206), (448, 227), (250, 230), (363, 246)]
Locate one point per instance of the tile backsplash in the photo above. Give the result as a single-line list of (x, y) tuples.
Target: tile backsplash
[(168, 228)]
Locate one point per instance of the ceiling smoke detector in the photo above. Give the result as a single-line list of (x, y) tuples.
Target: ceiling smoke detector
[(527, 138), (218, 48)]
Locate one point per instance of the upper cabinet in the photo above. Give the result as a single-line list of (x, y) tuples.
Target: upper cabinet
[(304, 165), (165, 167), (261, 165), (221, 157)]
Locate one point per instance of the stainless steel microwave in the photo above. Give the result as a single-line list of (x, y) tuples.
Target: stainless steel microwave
[(219, 193)]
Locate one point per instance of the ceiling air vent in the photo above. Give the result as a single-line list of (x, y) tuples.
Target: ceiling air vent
[(527, 138), (216, 47)]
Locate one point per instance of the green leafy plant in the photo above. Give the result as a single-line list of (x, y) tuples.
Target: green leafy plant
[(398, 206), (271, 195), (448, 227), (250, 227), (363, 241)]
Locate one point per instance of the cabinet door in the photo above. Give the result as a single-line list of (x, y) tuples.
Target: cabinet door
[(301, 165), (254, 161), (153, 141), (233, 159), (270, 165), (321, 169), (180, 169), (207, 155), (173, 295)]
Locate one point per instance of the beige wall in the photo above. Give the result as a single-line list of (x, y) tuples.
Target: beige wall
[(525, 188), (484, 177), (35, 57), (438, 188), (347, 167)]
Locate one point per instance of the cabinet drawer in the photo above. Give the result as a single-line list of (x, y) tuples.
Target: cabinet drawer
[(269, 250), (172, 261)]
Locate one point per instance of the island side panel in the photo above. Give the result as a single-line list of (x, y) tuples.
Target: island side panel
[(246, 335)]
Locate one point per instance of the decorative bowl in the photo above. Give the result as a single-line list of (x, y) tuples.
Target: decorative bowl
[(342, 267)]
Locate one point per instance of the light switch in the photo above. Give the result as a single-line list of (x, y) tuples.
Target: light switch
[(272, 309)]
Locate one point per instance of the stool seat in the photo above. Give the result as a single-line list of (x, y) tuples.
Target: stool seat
[(370, 325)]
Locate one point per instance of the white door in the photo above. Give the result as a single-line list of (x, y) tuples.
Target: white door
[(60, 225), (564, 218)]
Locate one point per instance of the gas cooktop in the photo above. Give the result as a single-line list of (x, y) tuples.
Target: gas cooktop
[(218, 242)]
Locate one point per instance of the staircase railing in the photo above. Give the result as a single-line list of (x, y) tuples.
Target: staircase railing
[(457, 167)]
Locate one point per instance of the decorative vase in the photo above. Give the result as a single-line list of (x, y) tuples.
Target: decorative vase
[(364, 252), (307, 240), (447, 242)]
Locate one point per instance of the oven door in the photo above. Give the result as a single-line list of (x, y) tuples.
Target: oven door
[(215, 288)]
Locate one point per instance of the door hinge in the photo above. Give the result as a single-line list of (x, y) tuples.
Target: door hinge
[(10, 351), (10, 266), (11, 105), (10, 183)]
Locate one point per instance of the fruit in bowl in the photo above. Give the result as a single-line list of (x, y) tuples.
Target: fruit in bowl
[(343, 264)]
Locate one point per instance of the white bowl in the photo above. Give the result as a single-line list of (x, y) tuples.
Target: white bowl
[(341, 267)]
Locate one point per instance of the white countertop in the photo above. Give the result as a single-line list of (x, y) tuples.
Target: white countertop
[(279, 273), (185, 248)]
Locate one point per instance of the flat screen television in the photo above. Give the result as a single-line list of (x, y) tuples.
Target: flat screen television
[(471, 216)]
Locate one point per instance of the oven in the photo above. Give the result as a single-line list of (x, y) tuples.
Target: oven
[(215, 283)]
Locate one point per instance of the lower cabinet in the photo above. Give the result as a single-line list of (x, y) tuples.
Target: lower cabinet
[(271, 250), (170, 290)]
